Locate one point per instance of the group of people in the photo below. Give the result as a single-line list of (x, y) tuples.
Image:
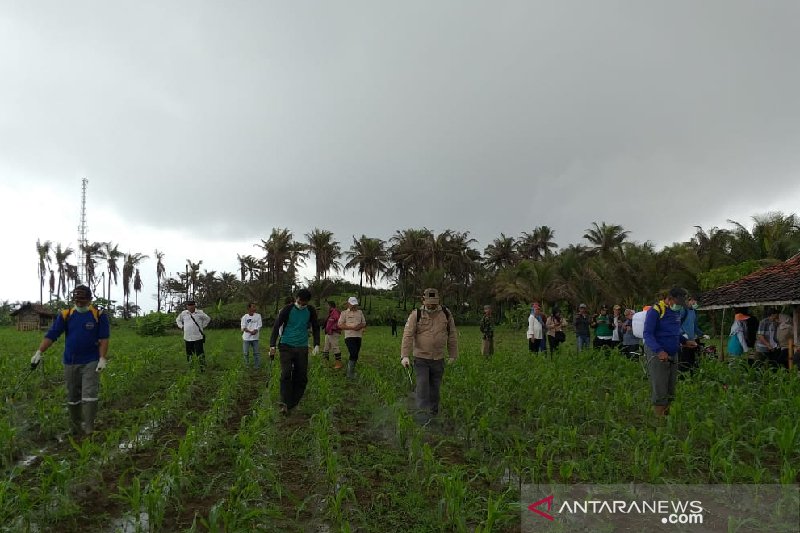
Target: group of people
[(670, 340), (429, 332), (766, 341)]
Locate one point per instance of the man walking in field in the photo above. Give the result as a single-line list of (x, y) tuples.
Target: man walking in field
[(251, 326), (295, 320), (662, 347), (86, 330), (428, 332), (487, 330), (352, 322), (193, 321)]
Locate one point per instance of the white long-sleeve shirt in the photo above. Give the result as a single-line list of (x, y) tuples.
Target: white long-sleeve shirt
[(251, 322), (535, 330), (191, 331)]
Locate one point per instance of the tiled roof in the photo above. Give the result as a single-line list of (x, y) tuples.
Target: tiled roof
[(773, 285), (39, 308)]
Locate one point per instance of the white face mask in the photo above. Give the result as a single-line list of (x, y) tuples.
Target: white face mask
[(297, 305)]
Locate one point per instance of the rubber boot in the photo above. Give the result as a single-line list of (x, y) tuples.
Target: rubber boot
[(89, 412), (351, 369), (75, 419)]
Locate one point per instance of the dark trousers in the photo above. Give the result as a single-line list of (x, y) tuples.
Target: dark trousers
[(353, 346), (535, 345), (688, 359), (429, 380), (294, 373), (553, 342), (195, 348)]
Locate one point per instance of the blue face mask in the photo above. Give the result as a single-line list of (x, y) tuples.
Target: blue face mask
[(82, 309), (297, 305), (695, 306), (676, 307)]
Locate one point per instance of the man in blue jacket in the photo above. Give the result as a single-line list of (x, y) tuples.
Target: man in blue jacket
[(86, 331), (662, 346)]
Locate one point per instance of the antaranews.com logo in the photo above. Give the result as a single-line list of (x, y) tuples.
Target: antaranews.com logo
[(671, 511), (660, 508)]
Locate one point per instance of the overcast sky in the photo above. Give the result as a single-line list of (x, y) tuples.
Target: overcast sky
[(203, 125)]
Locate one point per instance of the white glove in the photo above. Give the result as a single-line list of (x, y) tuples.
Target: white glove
[(36, 359), (315, 351), (101, 364), (451, 360), (405, 361), (706, 337)]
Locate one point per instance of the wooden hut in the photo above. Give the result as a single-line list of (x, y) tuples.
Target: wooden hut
[(777, 285), (33, 317)]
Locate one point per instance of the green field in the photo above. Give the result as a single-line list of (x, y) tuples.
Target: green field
[(180, 450)]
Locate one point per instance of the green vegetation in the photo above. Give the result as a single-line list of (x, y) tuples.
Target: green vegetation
[(180, 450)]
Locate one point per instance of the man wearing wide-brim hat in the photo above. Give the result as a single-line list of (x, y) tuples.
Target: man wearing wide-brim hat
[(429, 331)]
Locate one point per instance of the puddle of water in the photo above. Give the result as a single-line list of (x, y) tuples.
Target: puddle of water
[(130, 524), (509, 478), (146, 434)]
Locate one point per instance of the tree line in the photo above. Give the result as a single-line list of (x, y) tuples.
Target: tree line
[(510, 270)]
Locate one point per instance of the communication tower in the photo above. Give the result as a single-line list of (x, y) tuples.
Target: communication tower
[(82, 229)]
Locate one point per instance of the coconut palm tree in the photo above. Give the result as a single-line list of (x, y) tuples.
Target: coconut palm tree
[(501, 253), (409, 253), (160, 273), (43, 251), (192, 277), (129, 267), (137, 286), (538, 244), (369, 257), (61, 256), (92, 253), (326, 252), (606, 239), (112, 253), (712, 247)]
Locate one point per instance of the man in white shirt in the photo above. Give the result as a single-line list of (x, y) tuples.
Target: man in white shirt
[(251, 326), (193, 321)]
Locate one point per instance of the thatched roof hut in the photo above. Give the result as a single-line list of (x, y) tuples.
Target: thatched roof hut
[(32, 316)]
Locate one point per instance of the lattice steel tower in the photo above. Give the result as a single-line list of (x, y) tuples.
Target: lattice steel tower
[(82, 229)]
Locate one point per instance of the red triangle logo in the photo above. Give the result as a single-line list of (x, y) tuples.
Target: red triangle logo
[(548, 501)]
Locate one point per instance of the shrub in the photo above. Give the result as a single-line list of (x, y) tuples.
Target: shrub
[(155, 324)]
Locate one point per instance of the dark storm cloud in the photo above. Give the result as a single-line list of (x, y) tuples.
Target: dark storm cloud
[(371, 117)]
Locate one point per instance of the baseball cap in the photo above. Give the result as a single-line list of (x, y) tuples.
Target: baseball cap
[(191, 302), (678, 294), (430, 297), (584, 306), (352, 300), (82, 291)]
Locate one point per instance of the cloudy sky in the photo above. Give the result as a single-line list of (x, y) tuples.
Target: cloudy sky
[(203, 125)]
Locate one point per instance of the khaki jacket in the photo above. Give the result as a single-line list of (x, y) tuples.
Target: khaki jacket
[(352, 318), (428, 338)]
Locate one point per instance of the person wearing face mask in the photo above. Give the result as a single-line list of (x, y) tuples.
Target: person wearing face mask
[(86, 330), (690, 331), (294, 320), (662, 347), (429, 331)]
